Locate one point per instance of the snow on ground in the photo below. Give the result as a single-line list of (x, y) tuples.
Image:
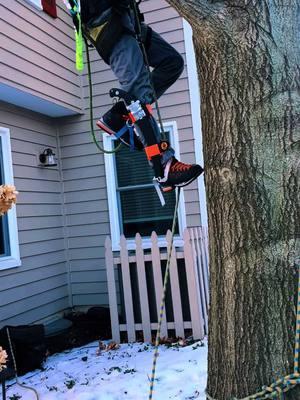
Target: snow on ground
[(83, 374)]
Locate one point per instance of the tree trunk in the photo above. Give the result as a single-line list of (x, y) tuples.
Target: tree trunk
[(248, 58)]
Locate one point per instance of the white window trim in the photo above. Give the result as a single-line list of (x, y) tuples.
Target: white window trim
[(112, 196), (195, 107), (36, 3), (14, 259)]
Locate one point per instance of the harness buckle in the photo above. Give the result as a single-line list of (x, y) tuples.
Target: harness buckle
[(136, 111)]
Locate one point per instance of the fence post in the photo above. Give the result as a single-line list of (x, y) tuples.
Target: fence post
[(193, 288), (175, 290), (195, 241), (112, 293), (158, 283), (127, 290), (143, 292)]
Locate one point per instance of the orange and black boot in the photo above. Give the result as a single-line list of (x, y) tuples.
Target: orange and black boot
[(179, 174)]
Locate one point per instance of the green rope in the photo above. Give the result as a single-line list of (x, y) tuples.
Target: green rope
[(91, 108), (75, 13), (284, 384), (162, 305)]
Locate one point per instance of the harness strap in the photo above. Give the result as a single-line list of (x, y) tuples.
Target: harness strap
[(122, 131)]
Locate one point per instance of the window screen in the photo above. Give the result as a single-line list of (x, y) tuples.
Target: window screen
[(140, 210), (4, 237)]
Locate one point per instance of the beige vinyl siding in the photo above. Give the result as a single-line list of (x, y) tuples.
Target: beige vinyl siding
[(37, 53), (86, 202), (39, 287)]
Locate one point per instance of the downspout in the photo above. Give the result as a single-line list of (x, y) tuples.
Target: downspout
[(196, 119), (64, 218)]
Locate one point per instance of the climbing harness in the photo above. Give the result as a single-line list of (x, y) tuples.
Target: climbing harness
[(103, 30), (141, 118), (284, 384), (163, 300), (105, 35)]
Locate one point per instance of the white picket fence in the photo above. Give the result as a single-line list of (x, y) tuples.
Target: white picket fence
[(194, 252)]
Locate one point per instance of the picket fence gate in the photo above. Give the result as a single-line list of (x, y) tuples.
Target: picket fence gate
[(194, 252)]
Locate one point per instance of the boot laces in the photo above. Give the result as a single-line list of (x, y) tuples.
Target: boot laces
[(179, 166)]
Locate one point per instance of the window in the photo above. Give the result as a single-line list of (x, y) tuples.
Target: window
[(134, 205), (9, 244), (49, 6), (36, 3), (4, 237)]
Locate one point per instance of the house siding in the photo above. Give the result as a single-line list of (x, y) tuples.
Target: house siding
[(37, 53), (86, 201), (63, 216), (39, 287)]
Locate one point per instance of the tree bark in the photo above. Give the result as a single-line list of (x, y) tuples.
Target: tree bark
[(248, 59)]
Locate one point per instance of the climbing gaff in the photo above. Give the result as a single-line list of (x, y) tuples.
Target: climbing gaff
[(142, 119)]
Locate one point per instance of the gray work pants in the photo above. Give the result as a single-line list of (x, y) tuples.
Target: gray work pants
[(127, 63)]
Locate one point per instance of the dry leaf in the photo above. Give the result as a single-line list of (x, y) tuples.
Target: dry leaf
[(8, 197), (3, 357), (112, 346)]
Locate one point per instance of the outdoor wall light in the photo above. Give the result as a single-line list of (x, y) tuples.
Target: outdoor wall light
[(47, 158)]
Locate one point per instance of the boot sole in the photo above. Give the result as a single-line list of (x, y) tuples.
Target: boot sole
[(168, 189), (104, 127), (101, 124)]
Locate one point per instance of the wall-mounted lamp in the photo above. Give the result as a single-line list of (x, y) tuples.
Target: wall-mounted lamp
[(47, 158)]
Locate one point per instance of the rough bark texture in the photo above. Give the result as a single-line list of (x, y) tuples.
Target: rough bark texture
[(248, 58)]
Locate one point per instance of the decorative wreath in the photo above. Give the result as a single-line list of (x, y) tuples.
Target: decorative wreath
[(8, 197)]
